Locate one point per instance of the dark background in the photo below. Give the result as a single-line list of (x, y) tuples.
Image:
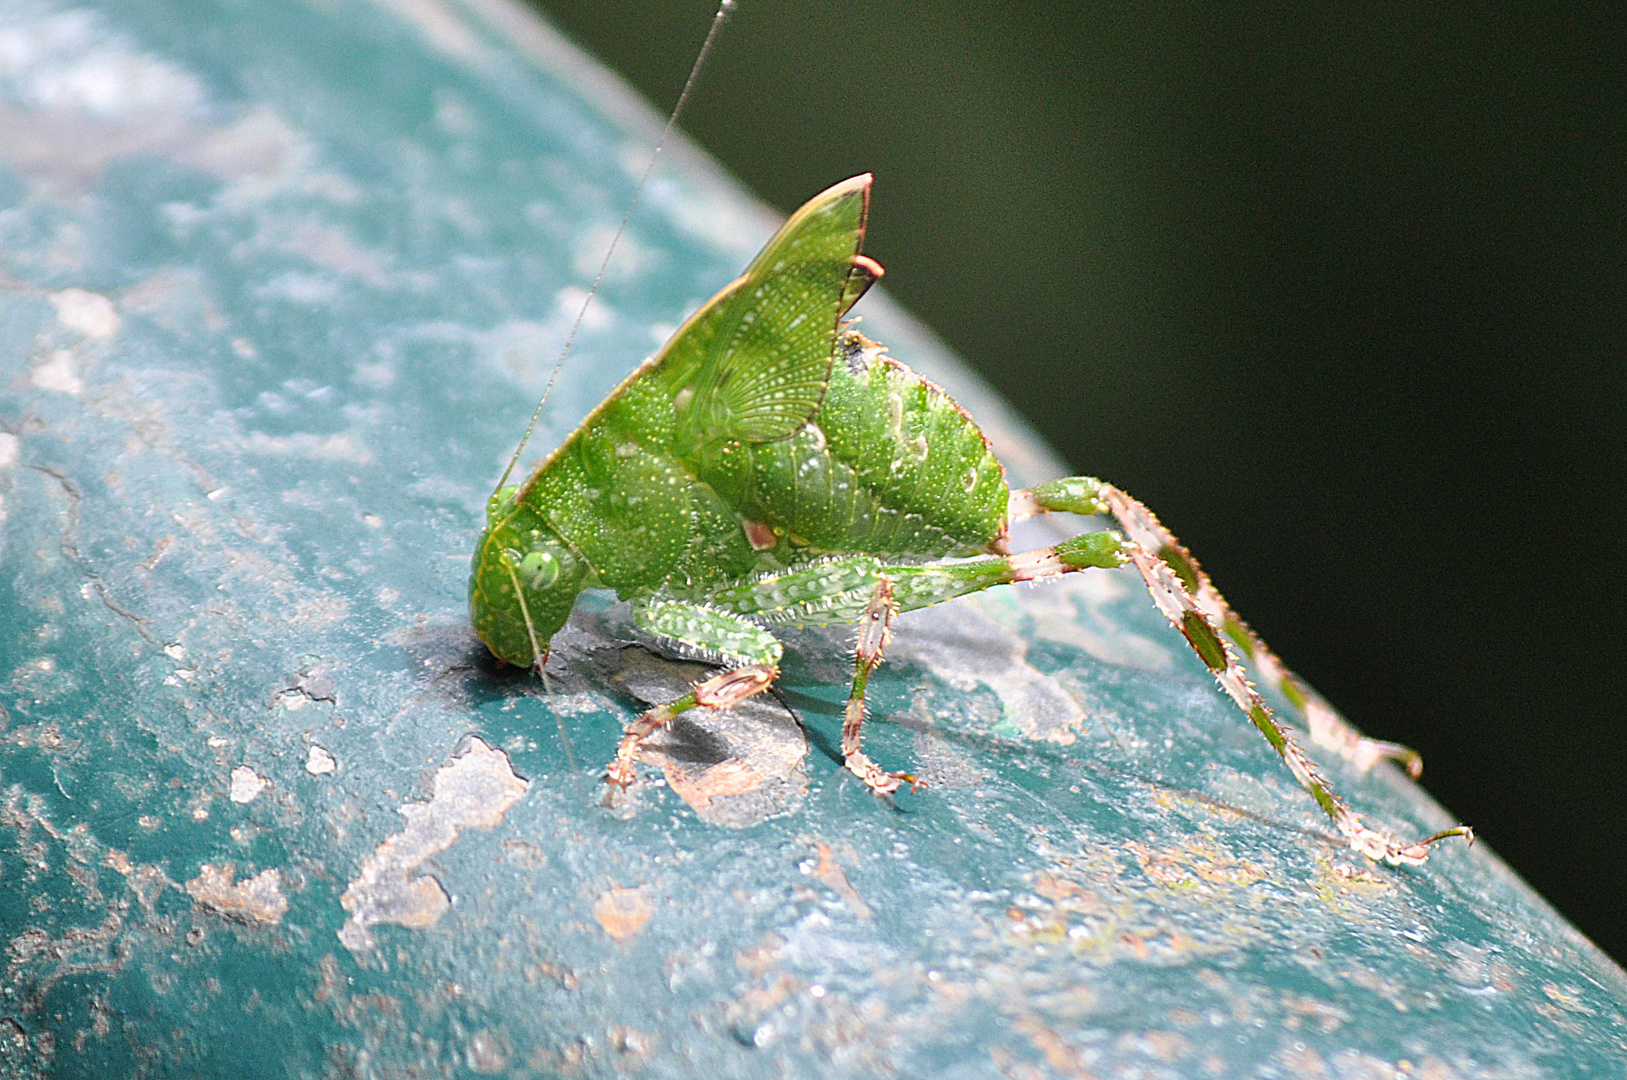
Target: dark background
[(1338, 290)]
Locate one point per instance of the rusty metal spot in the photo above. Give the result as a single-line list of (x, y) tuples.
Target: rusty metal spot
[(623, 912), (828, 872)]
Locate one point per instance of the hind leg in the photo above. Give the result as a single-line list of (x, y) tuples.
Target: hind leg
[(1194, 607), (1328, 729)]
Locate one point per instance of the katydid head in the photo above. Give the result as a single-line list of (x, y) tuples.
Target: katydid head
[(524, 584)]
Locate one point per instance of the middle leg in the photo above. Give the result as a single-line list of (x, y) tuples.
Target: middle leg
[(875, 630), (860, 589)]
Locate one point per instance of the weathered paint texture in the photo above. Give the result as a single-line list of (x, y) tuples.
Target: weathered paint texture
[(336, 246)]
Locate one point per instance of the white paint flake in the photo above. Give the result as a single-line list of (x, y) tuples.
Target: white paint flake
[(58, 374), (246, 784), (8, 457), (318, 762), (304, 444), (71, 62), (87, 313), (472, 791)]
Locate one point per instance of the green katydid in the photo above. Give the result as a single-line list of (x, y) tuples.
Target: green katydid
[(771, 466)]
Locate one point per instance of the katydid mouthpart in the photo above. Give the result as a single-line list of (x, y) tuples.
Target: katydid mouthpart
[(770, 466)]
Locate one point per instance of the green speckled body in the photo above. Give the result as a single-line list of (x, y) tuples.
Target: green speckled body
[(769, 467), (888, 466), (761, 437)]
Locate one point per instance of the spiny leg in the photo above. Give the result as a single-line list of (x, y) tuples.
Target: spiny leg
[(730, 638), (1328, 729), (859, 588), (845, 590), (875, 630), (1203, 629)]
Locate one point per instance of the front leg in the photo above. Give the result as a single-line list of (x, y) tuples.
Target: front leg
[(753, 649)]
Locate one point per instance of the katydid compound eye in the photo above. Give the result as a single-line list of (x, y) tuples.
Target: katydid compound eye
[(536, 570), (539, 570)]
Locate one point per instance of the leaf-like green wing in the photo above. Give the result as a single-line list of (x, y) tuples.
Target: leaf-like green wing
[(754, 362)]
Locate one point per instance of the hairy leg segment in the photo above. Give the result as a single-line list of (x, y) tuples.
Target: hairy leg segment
[(1189, 600)]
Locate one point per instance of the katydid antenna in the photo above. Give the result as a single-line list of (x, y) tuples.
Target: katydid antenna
[(723, 10)]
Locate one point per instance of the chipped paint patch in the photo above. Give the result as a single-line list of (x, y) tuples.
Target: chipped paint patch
[(58, 374), (623, 912), (246, 784), (966, 649), (87, 313), (1198, 860), (318, 762), (1353, 893), (8, 449), (720, 781), (472, 791), (256, 899), (306, 445), (1077, 611)]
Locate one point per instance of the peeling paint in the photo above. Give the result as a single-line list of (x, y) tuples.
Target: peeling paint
[(968, 649), (58, 374), (305, 445), (317, 566), (318, 762), (256, 899), (246, 784), (736, 767), (87, 313), (472, 791)]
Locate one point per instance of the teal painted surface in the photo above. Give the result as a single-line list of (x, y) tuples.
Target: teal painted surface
[(280, 285)]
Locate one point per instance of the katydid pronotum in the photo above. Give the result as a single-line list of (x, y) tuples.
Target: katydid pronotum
[(771, 466)]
